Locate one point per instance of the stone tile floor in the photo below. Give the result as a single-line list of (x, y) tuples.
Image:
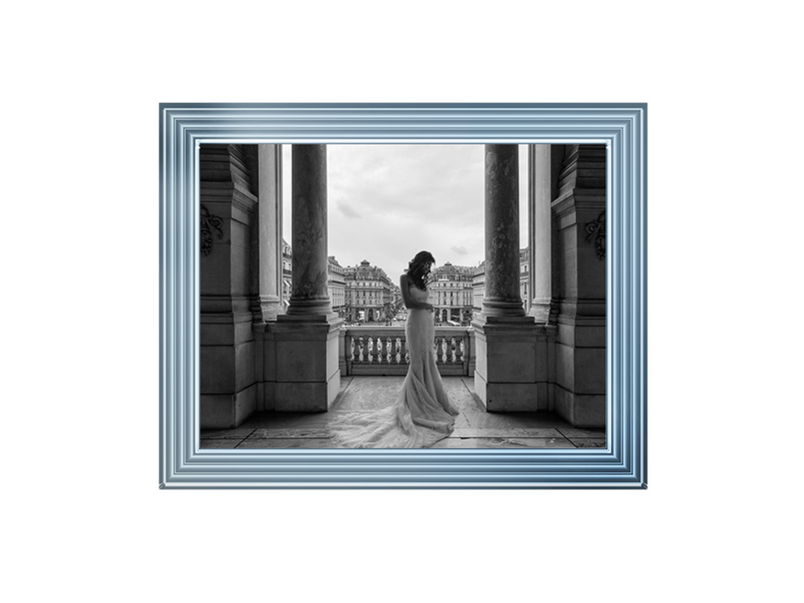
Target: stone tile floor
[(474, 427)]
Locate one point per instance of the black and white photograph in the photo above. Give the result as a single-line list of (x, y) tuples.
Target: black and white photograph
[(401, 328), (402, 296)]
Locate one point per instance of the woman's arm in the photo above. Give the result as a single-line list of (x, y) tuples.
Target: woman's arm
[(410, 303)]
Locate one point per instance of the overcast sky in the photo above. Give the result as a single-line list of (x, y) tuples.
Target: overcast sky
[(388, 202)]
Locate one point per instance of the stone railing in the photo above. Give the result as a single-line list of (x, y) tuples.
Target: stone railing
[(383, 351)]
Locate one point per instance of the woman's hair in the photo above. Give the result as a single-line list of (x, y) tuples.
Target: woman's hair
[(419, 268)]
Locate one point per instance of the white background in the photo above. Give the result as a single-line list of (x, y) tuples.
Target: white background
[(84, 519)]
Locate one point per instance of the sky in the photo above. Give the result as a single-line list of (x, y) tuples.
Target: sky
[(388, 202)]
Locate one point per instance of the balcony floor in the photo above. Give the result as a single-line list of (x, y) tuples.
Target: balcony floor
[(474, 427)]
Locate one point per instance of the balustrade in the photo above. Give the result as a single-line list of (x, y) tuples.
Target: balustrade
[(384, 350)]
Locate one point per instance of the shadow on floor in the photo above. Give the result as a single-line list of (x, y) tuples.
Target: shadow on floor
[(474, 427)]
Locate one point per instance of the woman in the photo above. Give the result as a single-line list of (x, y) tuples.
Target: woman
[(422, 413)]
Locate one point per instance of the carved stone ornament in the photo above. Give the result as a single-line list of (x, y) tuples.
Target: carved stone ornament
[(597, 230), (208, 224)]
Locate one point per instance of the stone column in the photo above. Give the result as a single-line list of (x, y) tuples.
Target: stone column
[(309, 295), (539, 227), (267, 242), (266, 271), (511, 350), (502, 297), (307, 357)]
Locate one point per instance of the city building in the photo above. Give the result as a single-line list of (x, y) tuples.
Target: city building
[(336, 284), (369, 294), (451, 294), (478, 289)]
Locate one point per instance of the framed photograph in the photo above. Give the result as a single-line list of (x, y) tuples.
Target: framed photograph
[(403, 295)]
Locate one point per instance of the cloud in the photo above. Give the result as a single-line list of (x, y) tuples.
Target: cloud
[(388, 202), (347, 209)]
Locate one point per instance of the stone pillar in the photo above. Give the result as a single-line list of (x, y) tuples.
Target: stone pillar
[(502, 297), (310, 294), (580, 214), (228, 384), (307, 357), (266, 253), (267, 241), (511, 365), (539, 230)]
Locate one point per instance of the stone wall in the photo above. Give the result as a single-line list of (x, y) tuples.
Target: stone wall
[(228, 206), (579, 213)]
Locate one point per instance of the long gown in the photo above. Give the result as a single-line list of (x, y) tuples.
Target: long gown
[(422, 413)]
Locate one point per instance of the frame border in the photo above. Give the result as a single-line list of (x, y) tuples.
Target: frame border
[(621, 126)]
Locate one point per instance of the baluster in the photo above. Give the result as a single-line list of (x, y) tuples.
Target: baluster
[(458, 350), (405, 351), (394, 359), (359, 349), (439, 343)]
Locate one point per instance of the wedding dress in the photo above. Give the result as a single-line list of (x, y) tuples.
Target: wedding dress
[(422, 413)]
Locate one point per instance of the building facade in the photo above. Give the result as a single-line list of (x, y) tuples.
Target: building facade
[(336, 284), (478, 288), (369, 294), (451, 294)]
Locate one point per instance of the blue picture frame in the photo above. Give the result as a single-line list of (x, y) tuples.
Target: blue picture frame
[(622, 127)]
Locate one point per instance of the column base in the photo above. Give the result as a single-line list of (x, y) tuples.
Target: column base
[(540, 311), (266, 308), (308, 376), (310, 307), (326, 317), (512, 364), (502, 309)]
